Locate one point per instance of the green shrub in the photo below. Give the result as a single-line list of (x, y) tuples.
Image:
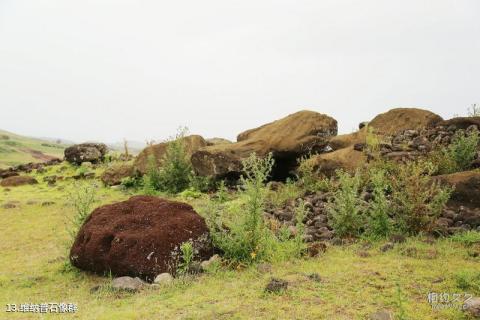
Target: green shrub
[(379, 224), (202, 184), (284, 193), (309, 178), (346, 210), (151, 180), (222, 193), (458, 156), (187, 252), (81, 198), (176, 169), (132, 182), (417, 201)]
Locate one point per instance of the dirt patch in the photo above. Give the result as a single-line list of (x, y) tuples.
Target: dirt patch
[(138, 237), (36, 154)]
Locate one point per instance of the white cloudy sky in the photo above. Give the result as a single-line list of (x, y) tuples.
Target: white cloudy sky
[(109, 69)]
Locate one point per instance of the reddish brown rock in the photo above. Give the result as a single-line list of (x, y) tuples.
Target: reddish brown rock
[(139, 237), (192, 144), (17, 181), (399, 119)]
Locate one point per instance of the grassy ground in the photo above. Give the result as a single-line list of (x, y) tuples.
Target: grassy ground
[(15, 149), (33, 241)]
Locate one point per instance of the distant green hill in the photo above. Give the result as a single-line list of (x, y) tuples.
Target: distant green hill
[(16, 149)]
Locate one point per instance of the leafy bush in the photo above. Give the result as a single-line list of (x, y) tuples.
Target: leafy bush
[(284, 193), (187, 253), (404, 200), (131, 182), (309, 178), (458, 156), (202, 184), (346, 210), (379, 224), (81, 198), (176, 169), (416, 200), (151, 180), (239, 229)]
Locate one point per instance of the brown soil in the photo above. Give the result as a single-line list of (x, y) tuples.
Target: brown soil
[(138, 237)]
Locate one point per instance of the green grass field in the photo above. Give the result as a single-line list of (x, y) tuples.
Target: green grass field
[(33, 246), (16, 149)]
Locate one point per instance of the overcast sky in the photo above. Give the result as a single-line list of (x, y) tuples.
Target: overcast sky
[(112, 69)]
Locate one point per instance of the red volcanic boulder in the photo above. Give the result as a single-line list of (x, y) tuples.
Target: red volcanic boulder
[(139, 237), (17, 181)]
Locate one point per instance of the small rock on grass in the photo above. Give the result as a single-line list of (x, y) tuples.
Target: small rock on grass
[(363, 254), (381, 315), (128, 284), (207, 263), (387, 246), (163, 278), (314, 277), (472, 307), (264, 268), (276, 286)]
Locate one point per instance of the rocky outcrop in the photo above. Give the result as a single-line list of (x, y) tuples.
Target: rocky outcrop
[(466, 190), (86, 152), (16, 181), (216, 141), (192, 144), (114, 174), (347, 159), (27, 167), (139, 237), (287, 139), (399, 119)]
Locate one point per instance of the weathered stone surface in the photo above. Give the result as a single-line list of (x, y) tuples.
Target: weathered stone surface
[(139, 237), (128, 284), (399, 119), (347, 159), (192, 144), (466, 188), (85, 152), (114, 174), (17, 181), (287, 139)]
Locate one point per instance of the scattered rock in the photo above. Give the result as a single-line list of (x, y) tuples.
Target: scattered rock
[(163, 278), (114, 174), (128, 284), (472, 307), (398, 238), (381, 315), (86, 152), (16, 181), (386, 247), (363, 254), (276, 286), (205, 265), (9, 205), (314, 277), (139, 237), (314, 249), (47, 203), (264, 268)]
